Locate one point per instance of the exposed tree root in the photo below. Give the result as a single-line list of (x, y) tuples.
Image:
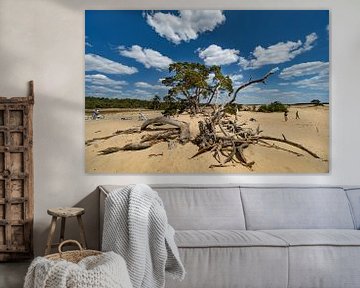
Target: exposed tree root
[(227, 140), (297, 145), (118, 132), (219, 134), (155, 154), (127, 147), (268, 145), (137, 146), (110, 150), (221, 166), (183, 126), (170, 134)]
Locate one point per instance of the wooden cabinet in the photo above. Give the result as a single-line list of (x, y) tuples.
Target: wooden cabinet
[(16, 177)]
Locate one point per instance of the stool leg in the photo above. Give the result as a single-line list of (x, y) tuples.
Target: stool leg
[(62, 230), (51, 235), (82, 232)]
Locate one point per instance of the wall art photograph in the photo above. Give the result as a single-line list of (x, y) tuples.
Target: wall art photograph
[(207, 91)]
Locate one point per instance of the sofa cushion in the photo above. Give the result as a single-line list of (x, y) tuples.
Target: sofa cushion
[(354, 198), (322, 258), (226, 238), (317, 237), (199, 207), (296, 208), (203, 208), (324, 266), (224, 267)]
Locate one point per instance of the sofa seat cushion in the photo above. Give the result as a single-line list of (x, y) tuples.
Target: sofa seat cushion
[(317, 237), (225, 238)]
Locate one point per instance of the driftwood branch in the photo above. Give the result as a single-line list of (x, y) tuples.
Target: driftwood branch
[(250, 82), (297, 145), (127, 147), (183, 126), (118, 132)]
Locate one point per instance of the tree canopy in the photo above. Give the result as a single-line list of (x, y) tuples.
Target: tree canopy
[(196, 82)]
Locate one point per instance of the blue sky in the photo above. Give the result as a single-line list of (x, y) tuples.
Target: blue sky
[(127, 53)]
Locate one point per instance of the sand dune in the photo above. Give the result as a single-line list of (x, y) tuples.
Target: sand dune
[(311, 130)]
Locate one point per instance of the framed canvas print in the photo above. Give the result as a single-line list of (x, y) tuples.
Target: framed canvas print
[(207, 91)]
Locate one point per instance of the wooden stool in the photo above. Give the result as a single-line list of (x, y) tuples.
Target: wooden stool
[(64, 213)]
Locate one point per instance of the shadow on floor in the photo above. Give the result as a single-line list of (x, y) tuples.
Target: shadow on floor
[(12, 275)]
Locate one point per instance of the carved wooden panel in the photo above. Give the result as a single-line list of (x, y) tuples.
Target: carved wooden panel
[(16, 177)]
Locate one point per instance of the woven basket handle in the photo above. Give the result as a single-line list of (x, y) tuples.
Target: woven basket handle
[(69, 241)]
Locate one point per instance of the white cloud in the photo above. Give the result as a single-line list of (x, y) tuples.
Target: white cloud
[(148, 57), (318, 82), (187, 25), (291, 96), (278, 53), (145, 85), (97, 63), (304, 69), (95, 90), (310, 40), (318, 70), (215, 55), (102, 80), (236, 79), (142, 94)]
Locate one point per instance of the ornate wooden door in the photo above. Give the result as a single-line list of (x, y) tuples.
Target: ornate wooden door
[(16, 177)]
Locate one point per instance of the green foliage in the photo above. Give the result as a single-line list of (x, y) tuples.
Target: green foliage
[(316, 102), (155, 102), (103, 102), (273, 107), (193, 82), (170, 105), (231, 109)]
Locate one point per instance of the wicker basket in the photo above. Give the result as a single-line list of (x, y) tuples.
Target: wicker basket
[(72, 256)]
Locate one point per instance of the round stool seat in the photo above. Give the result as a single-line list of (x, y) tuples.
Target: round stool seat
[(66, 211)]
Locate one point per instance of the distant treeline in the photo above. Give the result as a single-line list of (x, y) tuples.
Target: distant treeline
[(156, 103), (103, 102)]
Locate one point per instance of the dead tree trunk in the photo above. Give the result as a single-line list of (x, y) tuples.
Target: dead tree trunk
[(183, 126)]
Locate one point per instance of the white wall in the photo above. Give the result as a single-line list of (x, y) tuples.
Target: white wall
[(43, 40)]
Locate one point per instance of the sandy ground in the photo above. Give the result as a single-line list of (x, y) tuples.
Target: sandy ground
[(311, 131)]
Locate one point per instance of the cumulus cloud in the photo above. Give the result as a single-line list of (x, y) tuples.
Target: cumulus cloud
[(318, 82), (101, 85), (236, 79), (103, 91), (145, 85), (102, 80), (318, 70), (304, 69), (215, 55), (95, 62), (185, 26), (278, 53), (148, 57)]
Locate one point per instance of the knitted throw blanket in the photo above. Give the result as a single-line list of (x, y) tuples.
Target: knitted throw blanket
[(136, 227), (103, 271)]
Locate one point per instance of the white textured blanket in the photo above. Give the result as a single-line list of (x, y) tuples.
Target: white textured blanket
[(103, 271), (136, 227)]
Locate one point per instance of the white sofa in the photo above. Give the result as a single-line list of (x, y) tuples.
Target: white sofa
[(264, 237)]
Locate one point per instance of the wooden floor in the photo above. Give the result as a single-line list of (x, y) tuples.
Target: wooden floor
[(12, 274)]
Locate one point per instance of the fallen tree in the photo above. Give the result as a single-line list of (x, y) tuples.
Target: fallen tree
[(225, 138)]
